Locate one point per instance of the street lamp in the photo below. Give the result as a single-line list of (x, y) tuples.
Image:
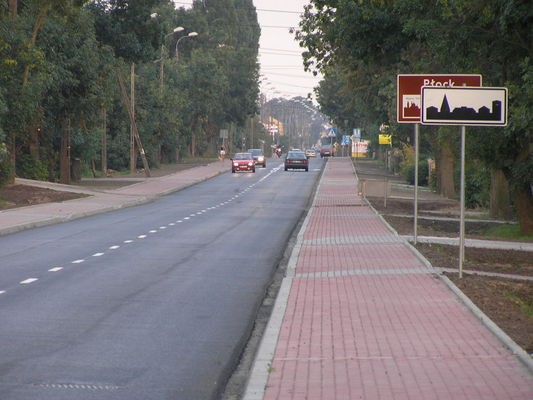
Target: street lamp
[(162, 57), (190, 35)]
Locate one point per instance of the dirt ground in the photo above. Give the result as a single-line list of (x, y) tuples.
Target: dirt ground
[(18, 195), (508, 302)]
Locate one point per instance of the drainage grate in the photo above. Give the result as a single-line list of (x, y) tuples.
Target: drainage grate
[(79, 386)]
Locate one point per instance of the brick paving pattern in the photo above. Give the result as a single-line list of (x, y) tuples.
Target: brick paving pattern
[(366, 319)]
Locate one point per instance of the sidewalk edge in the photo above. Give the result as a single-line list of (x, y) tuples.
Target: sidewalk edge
[(258, 379), (518, 351)]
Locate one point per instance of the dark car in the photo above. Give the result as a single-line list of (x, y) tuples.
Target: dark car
[(259, 157), (296, 160), (242, 162), (327, 150)]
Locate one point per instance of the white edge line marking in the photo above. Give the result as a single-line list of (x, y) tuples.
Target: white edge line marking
[(28, 281)]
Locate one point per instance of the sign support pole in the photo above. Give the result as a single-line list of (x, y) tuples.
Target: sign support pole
[(415, 216), (462, 218)]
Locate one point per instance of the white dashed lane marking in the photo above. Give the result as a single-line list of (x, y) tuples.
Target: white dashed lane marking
[(115, 247), (28, 281)]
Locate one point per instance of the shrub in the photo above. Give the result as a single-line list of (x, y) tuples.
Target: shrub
[(31, 168), (6, 172), (408, 172)]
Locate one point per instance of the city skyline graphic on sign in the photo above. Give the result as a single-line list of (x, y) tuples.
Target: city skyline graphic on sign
[(464, 106), (465, 113), (411, 106)]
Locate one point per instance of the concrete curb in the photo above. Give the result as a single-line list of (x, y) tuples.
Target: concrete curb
[(257, 381)]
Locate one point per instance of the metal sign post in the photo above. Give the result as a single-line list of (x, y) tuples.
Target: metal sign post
[(462, 213), (476, 106), (415, 211)]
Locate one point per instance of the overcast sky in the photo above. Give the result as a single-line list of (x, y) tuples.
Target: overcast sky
[(279, 54)]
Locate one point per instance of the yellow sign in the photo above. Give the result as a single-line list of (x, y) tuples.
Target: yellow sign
[(384, 139)]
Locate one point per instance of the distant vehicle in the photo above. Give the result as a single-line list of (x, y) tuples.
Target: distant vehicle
[(310, 153), (242, 162), (296, 160), (327, 150), (259, 157)]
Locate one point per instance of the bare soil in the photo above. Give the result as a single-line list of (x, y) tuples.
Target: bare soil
[(16, 195)]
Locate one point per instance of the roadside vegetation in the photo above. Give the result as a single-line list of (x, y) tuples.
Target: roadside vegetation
[(361, 46), (70, 71)]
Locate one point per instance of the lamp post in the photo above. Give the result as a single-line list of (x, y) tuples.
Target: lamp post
[(190, 35), (162, 57)]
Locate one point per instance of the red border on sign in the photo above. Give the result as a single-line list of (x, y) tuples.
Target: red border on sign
[(409, 87)]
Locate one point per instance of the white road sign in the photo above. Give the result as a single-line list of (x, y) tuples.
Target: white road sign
[(478, 106)]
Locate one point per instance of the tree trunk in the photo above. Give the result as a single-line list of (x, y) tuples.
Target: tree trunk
[(500, 199), (104, 142), (13, 8), (64, 160), (524, 207), (445, 167)]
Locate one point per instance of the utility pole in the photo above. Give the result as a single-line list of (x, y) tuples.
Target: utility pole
[(132, 115), (129, 107)]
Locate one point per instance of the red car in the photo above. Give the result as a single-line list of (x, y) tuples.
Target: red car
[(242, 162)]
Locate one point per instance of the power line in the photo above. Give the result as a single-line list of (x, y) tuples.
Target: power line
[(257, 9)]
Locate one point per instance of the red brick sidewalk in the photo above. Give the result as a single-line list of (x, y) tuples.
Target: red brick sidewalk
[(360, 316)]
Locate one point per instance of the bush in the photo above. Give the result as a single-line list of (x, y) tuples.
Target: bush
[(30, 168), (6, 172), (477, 187), (408, 173)]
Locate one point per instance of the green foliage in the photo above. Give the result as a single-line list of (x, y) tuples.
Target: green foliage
[(507, 231), (5, 166), (477, 186), (31, 168), (408, 173), (360, 47), (58, 81)]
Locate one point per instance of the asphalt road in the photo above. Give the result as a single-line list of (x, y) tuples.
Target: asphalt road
[(151, 302)]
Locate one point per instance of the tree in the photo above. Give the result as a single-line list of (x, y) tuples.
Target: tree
[(371, 41)]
